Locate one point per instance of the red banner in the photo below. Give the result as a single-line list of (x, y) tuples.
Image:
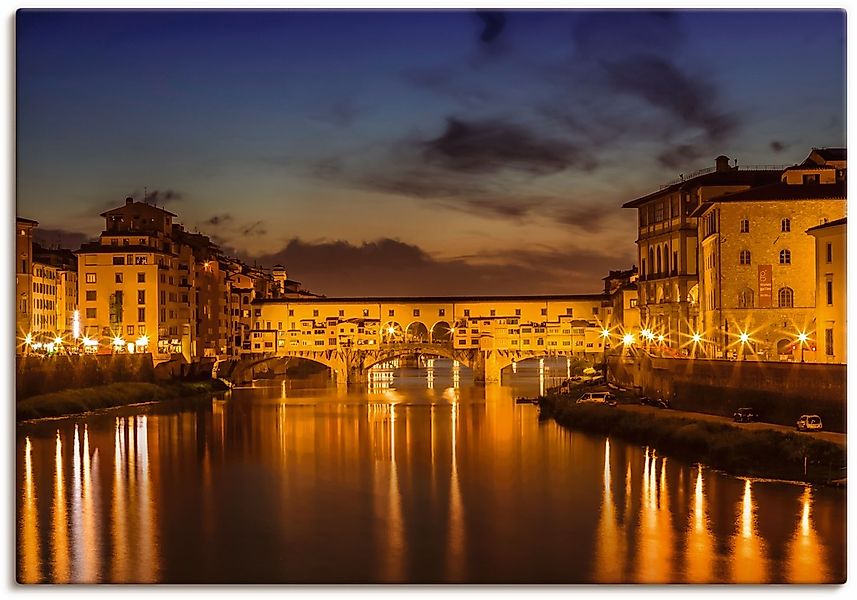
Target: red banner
[(766, 286)]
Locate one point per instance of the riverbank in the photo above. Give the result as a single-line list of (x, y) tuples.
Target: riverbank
[(82, 400), (754, 453)]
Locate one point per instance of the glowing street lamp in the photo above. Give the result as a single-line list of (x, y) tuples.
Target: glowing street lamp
[(628, 339), (744, 337), (28, 339), (697, 338), (802, 337), (142, 341), (118, 343)]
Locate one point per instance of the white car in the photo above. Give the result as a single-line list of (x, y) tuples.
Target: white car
[(598, 398), (809, 423)]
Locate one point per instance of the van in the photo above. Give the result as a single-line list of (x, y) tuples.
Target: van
[(808, 423), (598, 398)]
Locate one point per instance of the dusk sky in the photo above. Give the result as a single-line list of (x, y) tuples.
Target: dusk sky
[(411, 152)]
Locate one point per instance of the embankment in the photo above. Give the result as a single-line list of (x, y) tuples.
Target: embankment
[(755, 453), (81, 400)]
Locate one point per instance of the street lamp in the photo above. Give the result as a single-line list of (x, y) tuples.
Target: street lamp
[(605, 339), (745, 338), (802, 338)]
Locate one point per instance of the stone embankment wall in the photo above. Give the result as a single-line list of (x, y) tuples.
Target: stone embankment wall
[(40, 375), (779, 391)]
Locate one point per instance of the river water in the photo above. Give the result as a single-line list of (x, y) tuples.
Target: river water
[(418, 476)]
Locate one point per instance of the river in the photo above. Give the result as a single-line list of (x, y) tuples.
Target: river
[(418, 476)]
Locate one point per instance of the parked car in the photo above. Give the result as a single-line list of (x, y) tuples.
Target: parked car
[(656, 402), (745, 415), (809, 423), (598, 398)]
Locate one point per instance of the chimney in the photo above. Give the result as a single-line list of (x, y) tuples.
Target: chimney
[(721, 163), (129, 201)]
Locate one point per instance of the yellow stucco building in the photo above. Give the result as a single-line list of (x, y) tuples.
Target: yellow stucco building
[(831, 284)]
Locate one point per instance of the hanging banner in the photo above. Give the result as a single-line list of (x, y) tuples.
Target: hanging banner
[(766, 286)]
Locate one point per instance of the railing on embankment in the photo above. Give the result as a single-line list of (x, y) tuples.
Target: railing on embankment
[(779, 391)]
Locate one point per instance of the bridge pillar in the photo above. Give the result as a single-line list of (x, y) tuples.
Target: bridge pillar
[(345, 375), (486, 367)]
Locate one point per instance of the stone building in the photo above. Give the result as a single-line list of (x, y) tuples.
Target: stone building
[(831, 284), (667, 245), (757, 279)]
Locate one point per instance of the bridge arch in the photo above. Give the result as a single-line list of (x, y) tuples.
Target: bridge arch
[(441, 332), (387, 354), (416, 332), (392, 332)]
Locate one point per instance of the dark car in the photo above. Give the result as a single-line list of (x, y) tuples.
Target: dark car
[(656, 402), (745, 415)]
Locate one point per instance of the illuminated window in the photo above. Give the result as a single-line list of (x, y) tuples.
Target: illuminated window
[(744, 257), (786, 225), (90, 278), (745, 226), (785, 257), (786, 297), (365, 312)]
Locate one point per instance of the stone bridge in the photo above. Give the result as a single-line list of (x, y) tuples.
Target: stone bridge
[(349, 364)]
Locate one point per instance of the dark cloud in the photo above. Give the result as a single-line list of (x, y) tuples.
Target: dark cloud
[(61, 238), (493, 24), (392, 267), (589, 216), (680, 155), (254, 228), (663, 85), (490, 146), (777, 146), (158, 196), (219, 219), (618, 34)]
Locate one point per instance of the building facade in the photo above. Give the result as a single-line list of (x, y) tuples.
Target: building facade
[(668, 247), (831, 285), (757, 281)]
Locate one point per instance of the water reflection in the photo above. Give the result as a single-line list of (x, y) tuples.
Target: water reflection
[(748, 560), (412, 482)]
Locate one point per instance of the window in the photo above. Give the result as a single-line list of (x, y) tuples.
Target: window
[(341, 313), (441, 312), (569, 312), (466, 312), (744, 257), (315, 312), (829, 292), (90, 313), (118, 277), (118, 260), (785, 257), (141, 278), (493, 313), (90, 295), (416, 312), (391, 313), (786, 225), (786, 297), (829, 253), (141, 260), (141, 315), (633, 302), (90, 278), (810, 178), (130, 330), (745, 225), (745, 298), (828, 342)]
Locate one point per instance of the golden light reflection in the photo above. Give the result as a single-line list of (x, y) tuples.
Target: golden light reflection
[(806, 560), (90, 570), (59, 534), (394, 559), (119, 536), (30, 567), (700, 550), (76, 531), (610, 540), (456, 532), (747, 559), (148, 566), (655, 543)]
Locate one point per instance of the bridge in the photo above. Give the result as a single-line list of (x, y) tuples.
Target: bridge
[(486, 334)]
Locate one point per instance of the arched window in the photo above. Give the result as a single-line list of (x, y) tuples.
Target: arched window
[(745, 226), (652, 270), (745, 298), (786, 297), (659, 260), (786, 225), (785, 257), (744, 257)]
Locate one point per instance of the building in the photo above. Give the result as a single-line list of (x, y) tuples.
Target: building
[(757, 282), (667, 246), (831, 286), (621, 286), (23, 277), (55, 272)]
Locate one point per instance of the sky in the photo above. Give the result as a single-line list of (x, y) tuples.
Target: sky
[(411, 152)]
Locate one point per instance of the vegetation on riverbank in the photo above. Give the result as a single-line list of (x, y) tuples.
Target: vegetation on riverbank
[(745, 452), (81, 400)]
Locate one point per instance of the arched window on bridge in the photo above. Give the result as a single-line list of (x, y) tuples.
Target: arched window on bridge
[(441, 333), (416, 333)]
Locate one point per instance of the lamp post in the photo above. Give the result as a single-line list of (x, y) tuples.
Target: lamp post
[(605, 339), (802, 338)]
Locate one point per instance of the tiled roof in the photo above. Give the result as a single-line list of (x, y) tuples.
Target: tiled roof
[(779, 191), (832, 153), (828, 224)]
